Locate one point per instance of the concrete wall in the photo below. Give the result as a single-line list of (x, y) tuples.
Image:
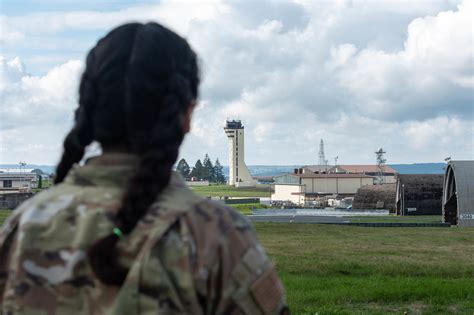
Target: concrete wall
[(13, 200), (285, 193), (197, 183)]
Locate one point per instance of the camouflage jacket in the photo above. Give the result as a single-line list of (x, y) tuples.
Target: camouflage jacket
[(186, 256)]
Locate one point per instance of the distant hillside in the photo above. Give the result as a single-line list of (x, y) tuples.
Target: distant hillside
[(417, 168), (275, 170), (47, 169), (267, 170), (420, 168)]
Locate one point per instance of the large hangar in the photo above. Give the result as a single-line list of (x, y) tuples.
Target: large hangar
[(458, 193), (376, 197), (419, 194)]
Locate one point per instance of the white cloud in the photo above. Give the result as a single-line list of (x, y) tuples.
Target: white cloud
[(434, 72), (361, 75), (9, 35), (36, 111), (167, 11)]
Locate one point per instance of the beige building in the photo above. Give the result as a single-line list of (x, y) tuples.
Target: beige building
[(18, 181), (303, 186), (288, 192), (239, 174)]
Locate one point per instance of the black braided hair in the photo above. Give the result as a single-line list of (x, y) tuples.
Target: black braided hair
[(81, 134), (139, 82)]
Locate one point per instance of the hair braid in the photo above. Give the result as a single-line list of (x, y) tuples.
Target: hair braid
[(139, 82), (82, 133), (153, 172)]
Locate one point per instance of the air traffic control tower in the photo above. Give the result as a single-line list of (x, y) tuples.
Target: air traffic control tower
[(239, 174)]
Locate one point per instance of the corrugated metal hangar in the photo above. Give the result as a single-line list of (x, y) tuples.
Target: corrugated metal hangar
[(458, 193)]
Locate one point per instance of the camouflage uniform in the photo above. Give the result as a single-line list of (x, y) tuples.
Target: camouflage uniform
[(186, 256)]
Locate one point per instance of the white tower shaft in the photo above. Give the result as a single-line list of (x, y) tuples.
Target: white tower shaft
[(238, 171)]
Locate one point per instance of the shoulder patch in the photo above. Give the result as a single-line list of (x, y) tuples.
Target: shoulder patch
[(268, 291)]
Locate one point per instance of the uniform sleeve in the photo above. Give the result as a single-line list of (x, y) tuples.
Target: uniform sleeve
[(7, 238), (233, 274)]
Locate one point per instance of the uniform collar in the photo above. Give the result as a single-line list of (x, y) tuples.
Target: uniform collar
[(110, 169), (114, 159)]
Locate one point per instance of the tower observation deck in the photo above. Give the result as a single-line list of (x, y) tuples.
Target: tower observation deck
[(239, 174)]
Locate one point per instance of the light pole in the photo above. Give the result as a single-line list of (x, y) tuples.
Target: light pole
[(326, 164), (403, 199)]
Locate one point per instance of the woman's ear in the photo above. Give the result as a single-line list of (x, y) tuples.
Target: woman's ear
[(188, 116)]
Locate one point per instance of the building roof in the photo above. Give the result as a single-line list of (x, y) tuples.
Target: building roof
[(28, 176), (365, 168), (16, 170), (331, 175), (318, 168)]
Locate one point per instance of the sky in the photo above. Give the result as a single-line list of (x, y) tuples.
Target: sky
[(362, 75)]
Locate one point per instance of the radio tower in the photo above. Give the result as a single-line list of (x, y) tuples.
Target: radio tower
[(380, 164), (322, 159)]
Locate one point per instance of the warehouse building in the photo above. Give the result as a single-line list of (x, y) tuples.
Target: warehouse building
[(302, 186), (16, 187), (419, 194), (458, 193), (376, 197), (18, 181)]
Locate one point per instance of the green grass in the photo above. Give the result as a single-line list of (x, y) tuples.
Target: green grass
[(246, 208), (397, 219), (330, 269), (231, 191), (46, 183), (4, 213)]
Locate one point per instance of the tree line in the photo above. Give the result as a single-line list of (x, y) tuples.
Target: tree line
[(204, 170)]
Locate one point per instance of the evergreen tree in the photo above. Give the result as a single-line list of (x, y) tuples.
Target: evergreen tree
[(208, 173), (183, 168), (219, 176), (40, 181), (198, 170)]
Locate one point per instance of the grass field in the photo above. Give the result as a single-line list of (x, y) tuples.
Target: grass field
[(46, 183), (231, 191), (397, 219), (4, 213), (246, 208), (356, 270), (330, 269)]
